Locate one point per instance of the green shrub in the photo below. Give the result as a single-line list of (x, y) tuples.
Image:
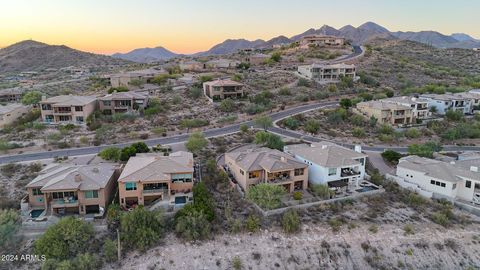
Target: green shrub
[(66, 239), (110, 250), (391, 156), (291, 221), (252, 224), (269, 140), (412, 133), (141, 229), (196, 142), (266, 196), (312, 126), (335, 224), (110, 153), (358, 132), (291, 123), (192, 224), (297, 195), (9, 226), (323, 191), (237, 263), (408, 229)]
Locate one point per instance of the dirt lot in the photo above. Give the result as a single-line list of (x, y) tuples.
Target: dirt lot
[(317, 247)]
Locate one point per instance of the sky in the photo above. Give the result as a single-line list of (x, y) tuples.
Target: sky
[(188, 26)]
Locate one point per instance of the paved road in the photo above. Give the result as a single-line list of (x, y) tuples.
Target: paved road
[(163, 140)]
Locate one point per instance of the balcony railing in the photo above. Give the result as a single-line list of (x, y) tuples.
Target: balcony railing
[(279, 179), (158, 190), (348, 172), (64, 203)]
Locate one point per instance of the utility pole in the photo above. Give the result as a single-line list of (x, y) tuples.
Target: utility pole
[(118, 245)]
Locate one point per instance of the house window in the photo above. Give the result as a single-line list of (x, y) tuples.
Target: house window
[(46, 107), (468, 184), (78, 108), (332, 171), (107, 103), (130, 186), (79, 119), (36, 192), (90, 194), (242, 172), (253, 174), (299, 172), (182, 177), (454, 186), (438, 183)]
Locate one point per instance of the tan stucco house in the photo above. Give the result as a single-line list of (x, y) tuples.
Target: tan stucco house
[(121, 102), (387, 113), (67, 109), (73, 189), (264, 165), (153, 178), (222, 89)]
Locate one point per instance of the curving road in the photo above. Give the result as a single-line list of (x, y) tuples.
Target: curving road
[(218, 132)]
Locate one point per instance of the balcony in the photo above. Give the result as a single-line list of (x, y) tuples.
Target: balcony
[(346, 172), (66, 202), (279, 177), (155, 191)]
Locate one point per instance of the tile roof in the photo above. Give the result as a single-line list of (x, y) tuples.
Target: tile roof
[(265, 159), (382, 105), (405, 99), (69, 100), (155, 167), (225, 82), (123, 95), (326, 154), (73, 177)]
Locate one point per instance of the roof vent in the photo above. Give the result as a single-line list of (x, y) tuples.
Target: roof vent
[(324, 146), (474, 168), (95, 170), (78, 177), (283, 159)]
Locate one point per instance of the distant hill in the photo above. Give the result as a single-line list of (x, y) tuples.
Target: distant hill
[(356, 35), (147, 55), (32, 55)]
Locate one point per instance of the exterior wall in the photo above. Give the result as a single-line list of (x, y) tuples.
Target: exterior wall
[(37, 201), (10, 117), (326, 73), (218, 92), (88, 109), (423, 181), (117, 108), (387, 116), (442, 106), (235, 170), (465, 193)]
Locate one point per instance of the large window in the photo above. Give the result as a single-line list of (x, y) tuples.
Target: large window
[(90, 194), (78, 108), (468, 184), (332, 171), (130, 186), (36, 191), (79, 119), (254, 174), (61, 195), (299, 172), (182, 177)]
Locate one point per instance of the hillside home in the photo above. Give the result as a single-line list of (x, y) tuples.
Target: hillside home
[(150, 179), (444, 102), (324, 72), (419, 105), (192, 65), (222, 64), (121, 102), (256, 59), (319, 40), (11, 95), (264, 165), (73, 189), (145, 76), (330, 164), (67, 109), (386, 113), (455, 180), (11, 112), (222, 89)]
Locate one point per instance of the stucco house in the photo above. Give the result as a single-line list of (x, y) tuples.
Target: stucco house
[(153, 178), (67, 108), (330, 164), (222, 89)]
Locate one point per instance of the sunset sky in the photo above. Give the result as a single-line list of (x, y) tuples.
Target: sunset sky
[(187, 26)]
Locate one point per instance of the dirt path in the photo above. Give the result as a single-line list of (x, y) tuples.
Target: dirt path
[(317, 247)]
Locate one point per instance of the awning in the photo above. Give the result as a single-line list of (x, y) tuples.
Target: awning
[(338, 183)]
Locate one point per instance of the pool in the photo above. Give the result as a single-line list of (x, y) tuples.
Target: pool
[(365, 189), (181, 200), (36, 213)]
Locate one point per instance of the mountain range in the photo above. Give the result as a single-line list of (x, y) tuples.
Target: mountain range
[(357, 35), (30, 55)]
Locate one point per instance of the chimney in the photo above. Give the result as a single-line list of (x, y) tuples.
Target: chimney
[(78, 177), (358, 148), (474, 168)]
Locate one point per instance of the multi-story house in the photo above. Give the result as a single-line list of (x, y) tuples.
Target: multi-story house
[(121, 102), (324, 72), (330, 164), (264, 165), (445, 102), (67, 108), (222, 89), (11, 95), (419, 105), (125, 79), (319, 40), (257, 58), (150, 179), (11, 112), (73, 189), (386, 112), (455, 180)]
